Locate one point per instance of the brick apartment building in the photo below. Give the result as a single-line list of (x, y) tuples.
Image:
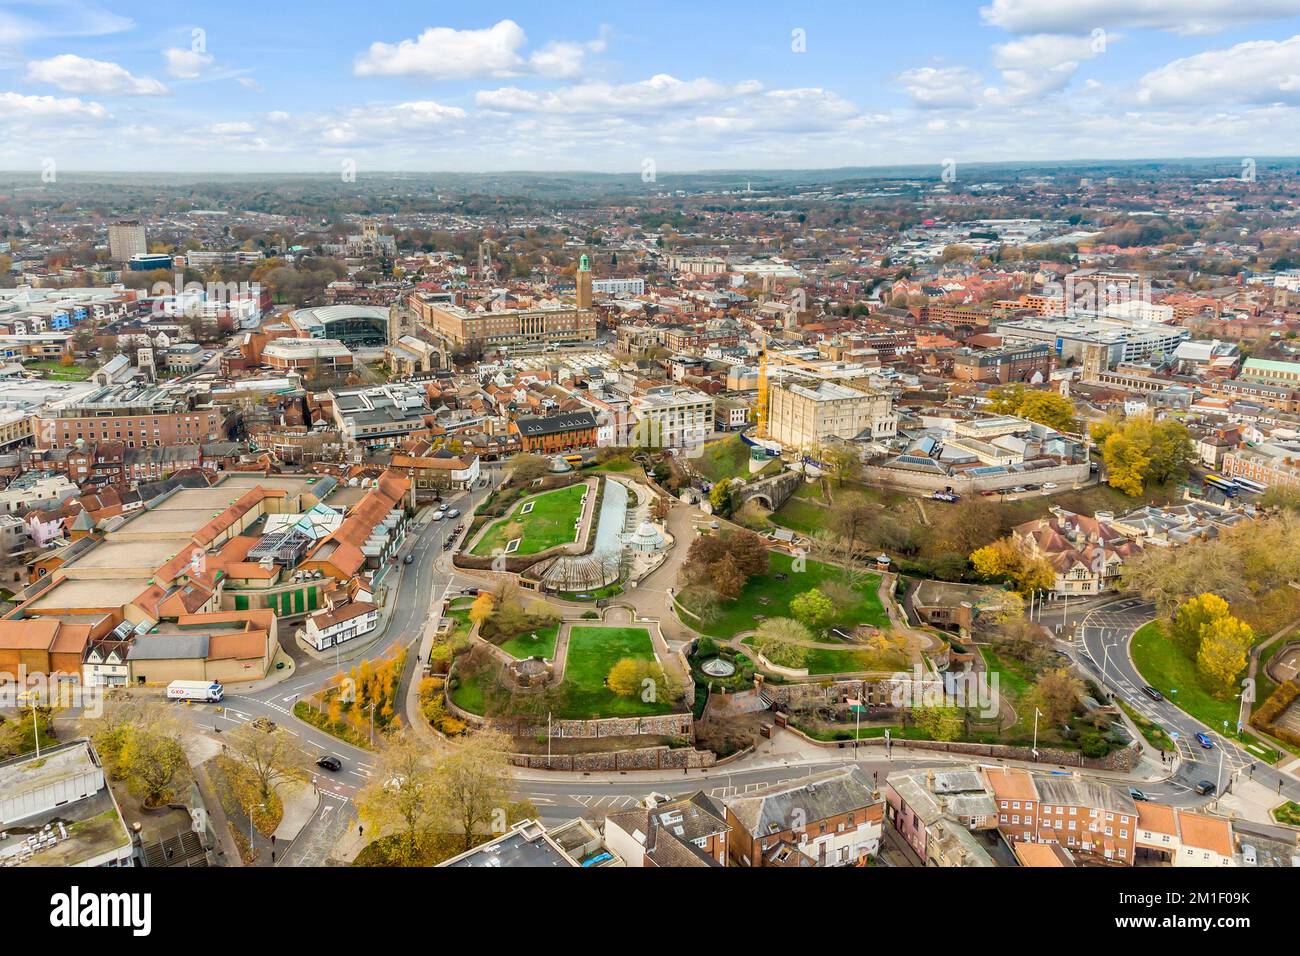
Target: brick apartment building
[(827, 819), (141, 417), (1007, 363), (1083, 816), (554, 434)]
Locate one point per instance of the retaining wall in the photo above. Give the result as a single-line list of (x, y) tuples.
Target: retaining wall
[(646, 758)]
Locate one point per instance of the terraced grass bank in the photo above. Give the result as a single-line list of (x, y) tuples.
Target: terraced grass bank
[(537, 523)]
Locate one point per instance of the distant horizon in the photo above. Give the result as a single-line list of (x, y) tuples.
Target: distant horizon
[(1206, 160)]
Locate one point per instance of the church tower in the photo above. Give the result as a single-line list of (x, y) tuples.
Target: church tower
[(584, 283)]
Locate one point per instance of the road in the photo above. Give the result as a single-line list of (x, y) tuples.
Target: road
[(417, 597), (1096, 635), (564, 799), (1100, 643)]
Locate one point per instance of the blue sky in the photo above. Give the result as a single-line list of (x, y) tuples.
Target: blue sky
[(387, 85)]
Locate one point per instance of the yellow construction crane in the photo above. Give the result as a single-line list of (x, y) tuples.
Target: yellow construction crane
[(761, 406)]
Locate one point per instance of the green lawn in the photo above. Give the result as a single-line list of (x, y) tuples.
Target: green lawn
[(551, 522), (1288, 813), (1165, 668), (469, 696), (66, 373), (539, 643), (801, 515), (592, 652), (825, 660), (846, 731), (729, 458), (1153, 732), (768, 597)]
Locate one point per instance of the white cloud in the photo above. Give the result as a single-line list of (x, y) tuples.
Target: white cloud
[(16, 106), (1260, 71), (248, 83), (659, 93), (445, 53), (1176, 16), (941, 87), (68, 19), (1044, 62), (377, 123), (186, 64), (77, 74)]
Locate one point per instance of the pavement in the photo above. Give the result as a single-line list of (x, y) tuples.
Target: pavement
[(1095, 633), (1099, 640), (415, 599)]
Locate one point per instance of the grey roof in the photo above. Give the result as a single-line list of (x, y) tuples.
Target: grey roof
[(1084, 793), (515, 849), (807, 799), (555, 423), (169, 647)]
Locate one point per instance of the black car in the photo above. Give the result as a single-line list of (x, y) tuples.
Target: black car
[(1205, 788), (1153, 693), (409, 559), (1138, 795), (330, 762)]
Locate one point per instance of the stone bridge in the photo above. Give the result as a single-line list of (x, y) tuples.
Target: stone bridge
[(772, 492)]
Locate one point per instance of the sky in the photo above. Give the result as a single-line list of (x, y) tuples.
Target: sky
[(382, 85)]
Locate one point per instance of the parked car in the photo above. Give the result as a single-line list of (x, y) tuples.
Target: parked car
[(1204, 740), (1138, 795), (1205, 788), (330, 762), (1153, 693), (1050, 486)]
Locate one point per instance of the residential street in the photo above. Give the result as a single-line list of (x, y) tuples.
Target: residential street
[(1101, 644)]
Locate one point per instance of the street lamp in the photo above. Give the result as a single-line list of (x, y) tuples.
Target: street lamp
[(260, 806), (1037, 713)]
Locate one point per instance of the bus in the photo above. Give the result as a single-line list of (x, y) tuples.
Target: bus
[(574, 459), (1223, 485), (1245, 484), (207, 691)]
